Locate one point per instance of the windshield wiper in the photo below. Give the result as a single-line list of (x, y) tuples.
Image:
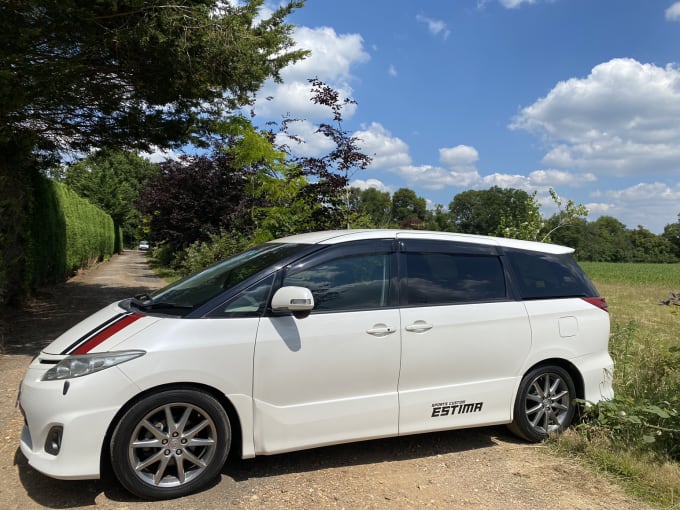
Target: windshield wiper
[(163, 305), (149, 304)]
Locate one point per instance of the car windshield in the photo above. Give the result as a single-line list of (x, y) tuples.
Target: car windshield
[(199, 288)]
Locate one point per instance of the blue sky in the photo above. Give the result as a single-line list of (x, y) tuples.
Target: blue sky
[(579, 95)]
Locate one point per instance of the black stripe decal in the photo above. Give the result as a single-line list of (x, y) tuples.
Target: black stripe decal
[(93, 332)]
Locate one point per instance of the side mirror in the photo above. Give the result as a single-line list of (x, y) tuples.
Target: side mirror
[(296, 300)]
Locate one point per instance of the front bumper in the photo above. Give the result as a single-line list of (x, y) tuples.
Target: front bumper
[(83, 407)]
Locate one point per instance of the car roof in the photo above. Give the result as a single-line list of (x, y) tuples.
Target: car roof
[(343, 236)]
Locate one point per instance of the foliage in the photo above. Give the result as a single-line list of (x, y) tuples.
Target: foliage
[(569, 215), (408, 210), (131, 73), (219, 247), (671, 233), (526, 227), (375, 204), (193, 198), (608, 240), (646, 411), (489, 212), (67, 232), (329, 175), (112, 181), (637, 435)]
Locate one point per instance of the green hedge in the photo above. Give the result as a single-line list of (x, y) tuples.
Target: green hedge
[(67, 232)]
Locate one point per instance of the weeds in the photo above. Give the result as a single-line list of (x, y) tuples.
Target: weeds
[(636, 436)]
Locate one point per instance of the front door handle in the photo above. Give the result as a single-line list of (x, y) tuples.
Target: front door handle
[(381, 330), (419, 327)]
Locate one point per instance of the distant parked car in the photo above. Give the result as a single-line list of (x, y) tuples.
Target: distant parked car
[(143, 245), (313, 340)]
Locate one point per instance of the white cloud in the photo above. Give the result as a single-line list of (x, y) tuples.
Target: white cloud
[(652, 205), (332, 58), (158, 155), (370, 183), (513, 4), (620, 120), (673, 12), (386, 150), (313, 143), (436, 178), (554, 178), (392, 71), (435, 26), (461, 155)]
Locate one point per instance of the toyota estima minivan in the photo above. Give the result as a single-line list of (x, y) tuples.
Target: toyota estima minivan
[(313, 340)]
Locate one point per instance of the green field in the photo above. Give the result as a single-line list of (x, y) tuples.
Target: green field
[(636, 438)]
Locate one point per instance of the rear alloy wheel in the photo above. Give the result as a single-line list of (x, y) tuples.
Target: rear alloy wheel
[(544, 403), (170, 444)]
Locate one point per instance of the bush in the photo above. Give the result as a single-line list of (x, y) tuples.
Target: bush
[(203, 254), (645, 415)]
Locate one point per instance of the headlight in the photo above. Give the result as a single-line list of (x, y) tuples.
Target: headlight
[(85, 364)]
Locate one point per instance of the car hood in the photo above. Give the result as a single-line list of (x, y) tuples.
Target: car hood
[(101, 331)]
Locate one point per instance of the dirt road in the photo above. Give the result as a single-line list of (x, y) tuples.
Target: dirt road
[(471, 469)]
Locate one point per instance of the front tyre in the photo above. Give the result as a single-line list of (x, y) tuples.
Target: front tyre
[(544, 403), (170, 444)]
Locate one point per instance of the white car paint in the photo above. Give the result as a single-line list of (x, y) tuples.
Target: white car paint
[(327, 378)]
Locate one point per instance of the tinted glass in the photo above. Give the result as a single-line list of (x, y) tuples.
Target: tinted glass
[(543, 275), (349, 282), (207, 284), (249, 303), (446, 278)]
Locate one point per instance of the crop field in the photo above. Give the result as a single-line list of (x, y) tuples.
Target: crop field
[(636, 438)]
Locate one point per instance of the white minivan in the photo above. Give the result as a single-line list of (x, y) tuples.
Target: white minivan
[(318, 339)]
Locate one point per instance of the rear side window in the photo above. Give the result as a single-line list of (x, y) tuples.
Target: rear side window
[(545, 275), (449, 278)]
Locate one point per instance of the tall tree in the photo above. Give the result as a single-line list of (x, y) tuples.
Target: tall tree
[(193, 198), (112, 180), (671, 233), (482, 211), (127, 74), (408, 209), (133, 73), (377, 205)]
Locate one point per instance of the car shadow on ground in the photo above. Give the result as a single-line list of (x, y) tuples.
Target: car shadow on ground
[(239, 475)]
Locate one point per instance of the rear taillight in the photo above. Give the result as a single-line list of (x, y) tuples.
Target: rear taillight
[(600, 302)]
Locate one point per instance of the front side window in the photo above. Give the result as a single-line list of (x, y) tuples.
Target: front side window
[(193, 291), (448, 278), (349, 282), (249, 303)]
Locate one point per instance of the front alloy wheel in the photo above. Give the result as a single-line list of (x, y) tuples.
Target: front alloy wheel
[(544, 403), (170, 444)]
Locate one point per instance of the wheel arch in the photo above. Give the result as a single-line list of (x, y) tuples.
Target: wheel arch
[(234, 420), (571, 369)]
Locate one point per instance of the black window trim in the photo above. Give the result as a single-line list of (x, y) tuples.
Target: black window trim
[(410, 245), (358, 247)]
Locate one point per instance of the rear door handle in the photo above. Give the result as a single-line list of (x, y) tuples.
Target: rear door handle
[(419, 327)]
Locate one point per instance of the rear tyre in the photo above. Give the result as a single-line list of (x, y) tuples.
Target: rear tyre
[(544, 403), (170, 444)]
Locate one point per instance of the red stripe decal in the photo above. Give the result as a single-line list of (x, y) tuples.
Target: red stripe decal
[(106, 333)]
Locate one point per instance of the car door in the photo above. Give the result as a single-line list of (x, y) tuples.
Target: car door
[(464, 341), (331, 376)]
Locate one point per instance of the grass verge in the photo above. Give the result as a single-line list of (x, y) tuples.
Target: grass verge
[(636, 438)]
